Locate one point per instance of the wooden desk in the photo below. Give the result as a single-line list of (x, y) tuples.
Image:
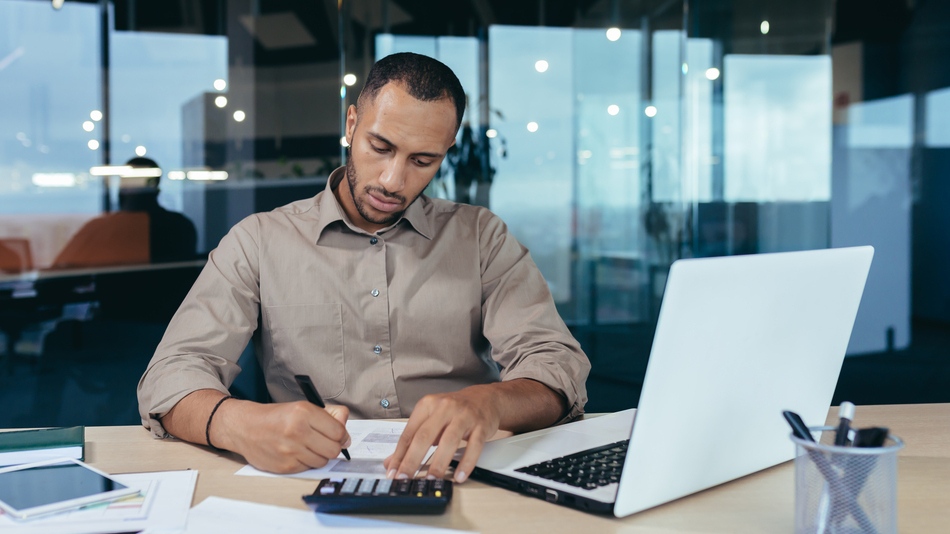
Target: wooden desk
[(759, 503)]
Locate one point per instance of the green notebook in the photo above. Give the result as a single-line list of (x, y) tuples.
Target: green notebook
[(23, 446)]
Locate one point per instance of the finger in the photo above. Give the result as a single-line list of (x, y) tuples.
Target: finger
[(311, 458), (319, 432), (449, 443), (473, 449), (330, 422), (424, 438), (341, 414), (393, 460), (320, 445)]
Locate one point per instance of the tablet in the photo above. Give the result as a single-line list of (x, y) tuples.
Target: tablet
[(37, 488)]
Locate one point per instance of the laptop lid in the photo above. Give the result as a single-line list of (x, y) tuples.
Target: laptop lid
[(738, 340)]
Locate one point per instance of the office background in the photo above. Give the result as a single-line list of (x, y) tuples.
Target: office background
[(613, 136)]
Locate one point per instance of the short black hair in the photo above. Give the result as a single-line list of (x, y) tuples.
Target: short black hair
[(423, 77), (139, 162)]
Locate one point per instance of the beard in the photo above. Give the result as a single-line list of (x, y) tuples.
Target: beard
[(352, 181)]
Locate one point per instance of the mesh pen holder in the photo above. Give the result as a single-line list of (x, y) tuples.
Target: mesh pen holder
[(844, 490)]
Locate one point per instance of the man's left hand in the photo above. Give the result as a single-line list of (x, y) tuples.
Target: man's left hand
[(473, 415)]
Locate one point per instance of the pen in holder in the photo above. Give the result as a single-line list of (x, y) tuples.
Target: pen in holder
[(845, 489)]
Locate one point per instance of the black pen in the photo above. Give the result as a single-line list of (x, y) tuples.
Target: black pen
[(310, 391), (799, 428), (845, 416)]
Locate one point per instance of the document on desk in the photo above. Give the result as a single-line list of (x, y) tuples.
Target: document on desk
[(372, 440), (161, 506), (227, 516)]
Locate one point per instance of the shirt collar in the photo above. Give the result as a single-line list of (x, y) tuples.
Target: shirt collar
[(418, 214)]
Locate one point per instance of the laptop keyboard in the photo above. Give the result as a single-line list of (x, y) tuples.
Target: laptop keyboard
[(588, 469)]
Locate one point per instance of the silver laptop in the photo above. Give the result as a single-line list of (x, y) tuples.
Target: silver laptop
[(739, 340)]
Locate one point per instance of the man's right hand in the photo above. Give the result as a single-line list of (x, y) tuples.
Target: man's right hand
[(280, 438)]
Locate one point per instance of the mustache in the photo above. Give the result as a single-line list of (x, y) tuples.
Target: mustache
[(384, 193)]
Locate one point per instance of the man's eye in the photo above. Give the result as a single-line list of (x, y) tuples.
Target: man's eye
[(422, 163), (381, 150)]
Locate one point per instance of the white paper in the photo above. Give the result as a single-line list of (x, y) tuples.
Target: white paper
[(163, 506), (38, 455), (372, 441), (227, 516)]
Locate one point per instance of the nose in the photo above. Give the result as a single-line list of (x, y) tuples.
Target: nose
[(393, 177)]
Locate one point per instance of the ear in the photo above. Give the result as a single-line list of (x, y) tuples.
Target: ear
[(350, 124)]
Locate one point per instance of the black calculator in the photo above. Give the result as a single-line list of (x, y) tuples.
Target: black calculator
[(380, 496)]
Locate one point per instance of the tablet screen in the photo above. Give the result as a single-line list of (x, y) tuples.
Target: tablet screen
[(48, 484)]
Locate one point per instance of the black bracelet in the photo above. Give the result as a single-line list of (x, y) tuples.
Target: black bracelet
[(210, 417)]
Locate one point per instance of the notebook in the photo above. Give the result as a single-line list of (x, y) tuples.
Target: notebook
[(25, 446), (739, 339)]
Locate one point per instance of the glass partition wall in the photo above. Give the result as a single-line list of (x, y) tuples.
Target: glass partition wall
[(613, 137)]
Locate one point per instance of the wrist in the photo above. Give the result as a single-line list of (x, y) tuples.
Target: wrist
[(220, 431), (491, 397)]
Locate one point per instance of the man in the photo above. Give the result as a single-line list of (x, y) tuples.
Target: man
[(396, 304), (171, 235), (141, 231)]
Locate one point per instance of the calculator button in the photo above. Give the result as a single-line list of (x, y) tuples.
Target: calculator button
[(383, 487), (420, 487), (366, 486), (403, 486), (349, 486)]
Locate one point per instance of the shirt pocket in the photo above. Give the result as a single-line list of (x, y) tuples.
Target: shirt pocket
[(308, 339)]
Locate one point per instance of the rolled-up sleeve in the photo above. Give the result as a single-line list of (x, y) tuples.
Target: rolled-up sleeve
[(528, 337), (210, 330)]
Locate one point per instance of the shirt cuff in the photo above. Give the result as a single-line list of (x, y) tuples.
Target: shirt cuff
[(558, 384)]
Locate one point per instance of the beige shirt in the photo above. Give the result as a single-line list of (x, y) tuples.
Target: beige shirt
[(442, 299)]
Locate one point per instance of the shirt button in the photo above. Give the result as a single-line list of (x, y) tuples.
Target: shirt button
[(374, 292), (384, 403), (373, 241), (377, 349)]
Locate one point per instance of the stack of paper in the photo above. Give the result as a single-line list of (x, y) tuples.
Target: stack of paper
[(25, 446), (161, 506)]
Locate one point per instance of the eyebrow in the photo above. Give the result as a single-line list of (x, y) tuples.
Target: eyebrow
[(390, 143)]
